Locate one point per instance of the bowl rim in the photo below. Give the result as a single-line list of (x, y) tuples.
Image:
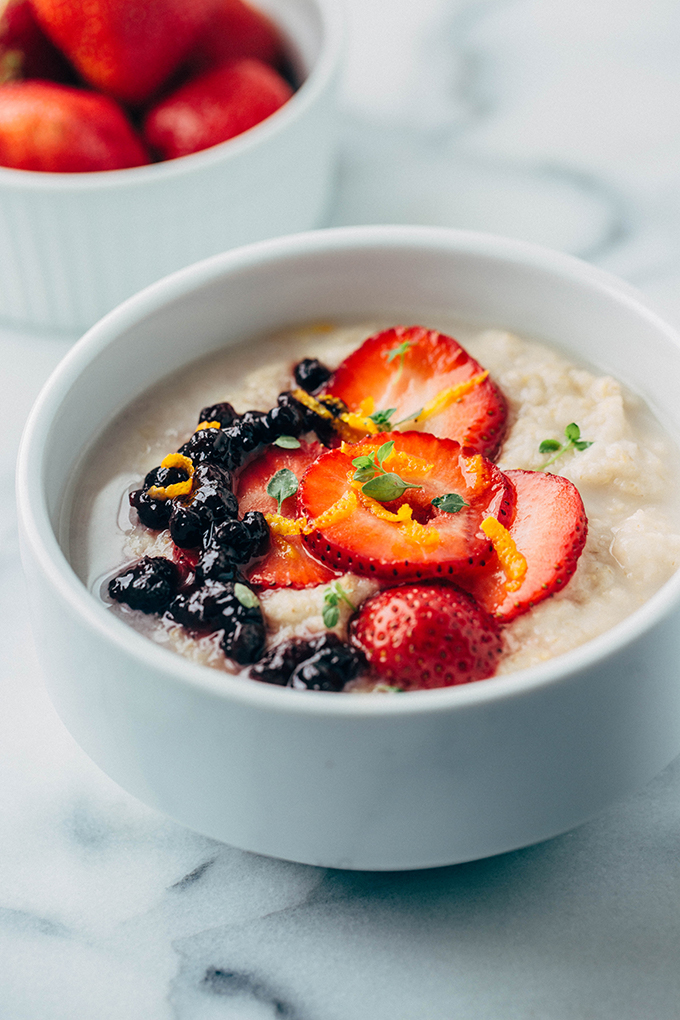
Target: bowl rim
[(333, 23), (39, 535)]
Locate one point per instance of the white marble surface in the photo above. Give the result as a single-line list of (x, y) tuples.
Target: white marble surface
[(553, 121)]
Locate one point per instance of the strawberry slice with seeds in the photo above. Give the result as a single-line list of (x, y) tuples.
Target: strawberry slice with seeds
[(410, 370), (420, 636), (548, 532), (287, 563), (354, 526)]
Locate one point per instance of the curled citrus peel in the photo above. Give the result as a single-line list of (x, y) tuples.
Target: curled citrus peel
[(512, 561), (208, 425), (163, 492)]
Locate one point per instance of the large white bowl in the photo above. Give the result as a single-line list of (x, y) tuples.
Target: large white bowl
[(371, 781), (72, 246)]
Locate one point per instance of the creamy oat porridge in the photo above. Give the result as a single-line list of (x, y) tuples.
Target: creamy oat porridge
[(386, 525)]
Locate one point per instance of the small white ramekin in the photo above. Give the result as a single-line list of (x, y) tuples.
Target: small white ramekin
[(351, 781), (72, 246)]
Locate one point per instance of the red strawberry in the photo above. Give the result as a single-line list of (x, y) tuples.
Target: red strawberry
[(125, 48), (421, 636), (550, 530), (287, 564), (25, 50), (367, 537), (45, 126), (405, 368), (236, 30), (213, 107)]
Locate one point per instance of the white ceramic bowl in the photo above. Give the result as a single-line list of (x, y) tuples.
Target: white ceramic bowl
[(371, 781), (72, 246)]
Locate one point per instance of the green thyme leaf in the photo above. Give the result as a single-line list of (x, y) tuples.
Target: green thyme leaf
[(451, 503), (246, 596), (384, 451), (331, 615), (410, 417), (387, 487), (549, 446), (366, 468), (332, 597), (399, 351), (287, 442), (282, 485), (574, 442), (382, 419)]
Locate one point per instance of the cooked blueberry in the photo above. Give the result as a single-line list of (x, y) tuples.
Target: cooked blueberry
[(149, 585), (310, 374), (259, 423), (277, 666), (257, 526), (186, 526), (228, 448), (235, 537), (165, 476), (216, 564), (329, 669), (224, 413), (153, 513), (245, 643), (201, 446)]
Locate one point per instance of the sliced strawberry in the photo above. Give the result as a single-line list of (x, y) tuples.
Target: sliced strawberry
[(213, 107), (287, 564), (406, 368), (368, 537), (421, 636), (550, 530)]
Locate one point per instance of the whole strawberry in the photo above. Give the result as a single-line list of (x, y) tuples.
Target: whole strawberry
[(422, 636), (213, 107), (56, 128), (25, 50), (125, 48), (236, 30)]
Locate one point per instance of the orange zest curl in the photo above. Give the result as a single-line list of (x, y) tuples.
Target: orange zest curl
[(163, 492), (207, 425), (512, 561)]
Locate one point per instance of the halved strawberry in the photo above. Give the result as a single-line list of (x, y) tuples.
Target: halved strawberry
[(420, 636), (406, 537), (287, 564), (549, 530), (411, 369)]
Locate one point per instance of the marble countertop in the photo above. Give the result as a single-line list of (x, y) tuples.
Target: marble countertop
[(554, 122)]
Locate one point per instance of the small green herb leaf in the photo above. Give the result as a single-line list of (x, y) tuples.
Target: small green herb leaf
[(387, 689), (451, 503), (384, 451), (332, 597), (366, 467), (574, 441), (382, 419), (549, 446), (387, 487), (287, 442), (282, 485), (246, 596), (399, 351)]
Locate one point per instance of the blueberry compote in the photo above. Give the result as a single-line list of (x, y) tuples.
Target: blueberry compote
[(191, 494)]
